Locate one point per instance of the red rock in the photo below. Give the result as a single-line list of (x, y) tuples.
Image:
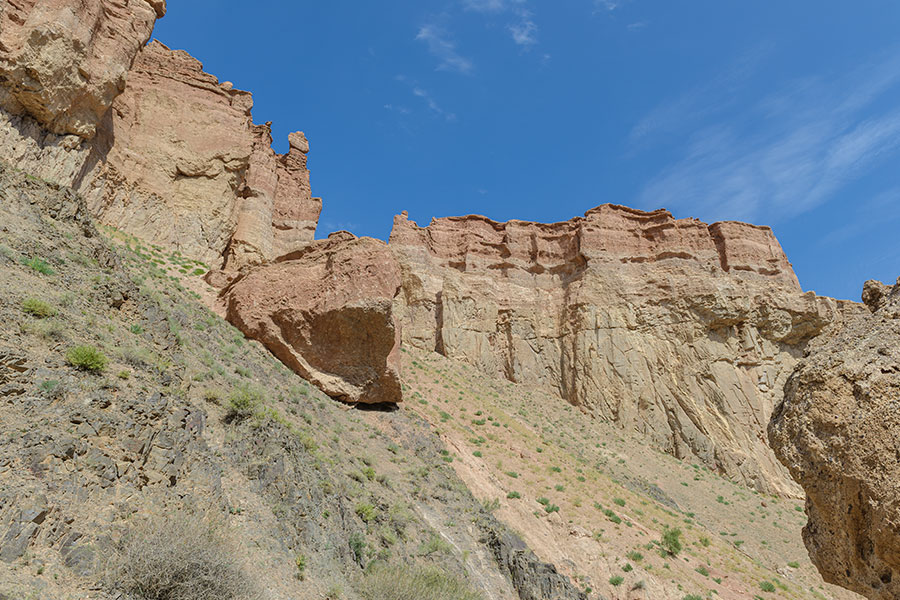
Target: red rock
[(326, 312)]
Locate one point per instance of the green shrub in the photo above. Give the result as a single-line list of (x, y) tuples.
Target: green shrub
[(300, 561), (671, 541), (616, 580), (513, 495), (243, 402), (703, 571), (402, 582), (38, 308), (619, 501), (434, 544), (767, 586), (180, 556), (38, 264), (87, 358), (635, 556), (366, 512)]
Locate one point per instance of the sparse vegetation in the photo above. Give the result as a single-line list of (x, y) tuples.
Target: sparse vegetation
[(38, 308), (396, 582), (181, 556), (87, 358)]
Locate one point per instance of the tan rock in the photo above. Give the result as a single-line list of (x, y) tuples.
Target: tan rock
[(326, 312), (63, 62), (180, 164), (837, 430), (681, 331)]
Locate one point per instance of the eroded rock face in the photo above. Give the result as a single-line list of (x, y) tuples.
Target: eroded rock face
[(683, 331), (184, 167), (838, 431), (63, 62), (327, 312)]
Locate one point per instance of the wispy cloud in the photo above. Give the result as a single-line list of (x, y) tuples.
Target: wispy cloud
[(882, 209), (432, 104), (444, 49), (703, 100), (524, 33), (523, 29), (485, 5), (637, 26), (790, 152)]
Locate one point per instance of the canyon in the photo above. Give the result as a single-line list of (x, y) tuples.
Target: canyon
[(687, 335)]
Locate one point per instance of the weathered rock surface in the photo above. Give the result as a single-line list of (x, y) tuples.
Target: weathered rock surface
[(837, 430), (681, 330), (172, 157), (64, 62), (184, 167), (326, 312)]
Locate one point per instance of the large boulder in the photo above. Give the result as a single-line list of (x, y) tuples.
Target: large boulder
[(327, 312), (838, 431)]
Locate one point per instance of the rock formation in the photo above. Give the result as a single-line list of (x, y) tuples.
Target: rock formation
[(326, 312), (64, 63), (837, 430), (680, 330), (180, 149), (172, 157)]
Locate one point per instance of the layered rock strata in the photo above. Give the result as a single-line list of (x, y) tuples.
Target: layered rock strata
[(327, 313), (184, 167), (172, 157), (682, 331), (837, 430)]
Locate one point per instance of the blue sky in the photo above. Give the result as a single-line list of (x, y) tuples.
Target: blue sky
[(778, 113)]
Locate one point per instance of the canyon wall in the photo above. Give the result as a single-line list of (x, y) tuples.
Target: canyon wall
[(172, 157), (837, 430), (681, 331)]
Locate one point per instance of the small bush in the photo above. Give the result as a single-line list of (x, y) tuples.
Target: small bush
[(513, 495), (767, 586), (87, 358), (366, 512), (38, 264), (243, 402), (619, 501), (384, 582), (671, 541), (616, 580), (179, 557), (38, 308), (435, 544)]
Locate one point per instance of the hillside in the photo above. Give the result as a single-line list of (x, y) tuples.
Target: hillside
[(187, 421)]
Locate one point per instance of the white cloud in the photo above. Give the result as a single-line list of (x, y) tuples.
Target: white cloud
[(485, 5), (524, 33), (702, 100), (432, 104), (789, 153), (444, 49)]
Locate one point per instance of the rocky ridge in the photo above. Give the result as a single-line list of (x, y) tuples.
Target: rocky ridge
[(836, 431), (683, 331), (173, 146)]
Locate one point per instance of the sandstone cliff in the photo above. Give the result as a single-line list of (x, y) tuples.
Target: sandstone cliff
[(837, 430), (183, 166), (172, 157), (680, 330), (64, 63)]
